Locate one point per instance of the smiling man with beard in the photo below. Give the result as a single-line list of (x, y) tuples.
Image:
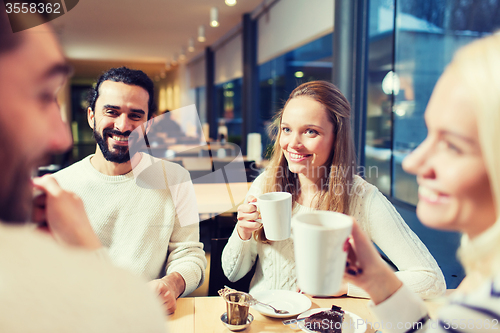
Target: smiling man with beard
[(153, 232)]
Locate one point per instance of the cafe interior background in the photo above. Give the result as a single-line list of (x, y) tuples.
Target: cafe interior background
[(237, 61)]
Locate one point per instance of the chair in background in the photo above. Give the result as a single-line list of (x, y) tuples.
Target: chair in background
[(252, 171), (217, 279), (223, 225)]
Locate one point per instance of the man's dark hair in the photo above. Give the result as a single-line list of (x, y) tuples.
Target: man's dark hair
[(127, 76)]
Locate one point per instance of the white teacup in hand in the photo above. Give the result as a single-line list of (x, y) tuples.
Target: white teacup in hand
[(319, 239), (276, 214)]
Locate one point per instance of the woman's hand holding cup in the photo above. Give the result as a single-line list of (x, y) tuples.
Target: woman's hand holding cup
[(247, 216), (365, 268)]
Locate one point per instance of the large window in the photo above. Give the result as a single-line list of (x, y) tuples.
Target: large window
[(228, 109), (411, 42), (279, 76)]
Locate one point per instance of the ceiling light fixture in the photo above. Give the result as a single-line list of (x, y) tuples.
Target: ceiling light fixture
[(201, 34), (191, 45), (214, 17), (182, 57), (230, 3)]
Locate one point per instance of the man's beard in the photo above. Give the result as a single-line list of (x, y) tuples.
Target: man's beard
[(16, 191), (121, 153), (16, 199)]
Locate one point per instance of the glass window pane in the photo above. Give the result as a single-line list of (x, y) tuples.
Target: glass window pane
[(426, 36), (379, 99), (228, 109)]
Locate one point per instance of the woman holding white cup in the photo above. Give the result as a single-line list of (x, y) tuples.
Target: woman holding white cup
[(314, 161), (458, 172)]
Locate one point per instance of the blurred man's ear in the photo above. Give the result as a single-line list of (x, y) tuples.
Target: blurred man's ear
[(90, 117)]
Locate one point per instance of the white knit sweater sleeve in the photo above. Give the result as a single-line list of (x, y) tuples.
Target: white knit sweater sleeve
[(417, 268), (238, 256), (477, 311), (186, 255), (400, 312)]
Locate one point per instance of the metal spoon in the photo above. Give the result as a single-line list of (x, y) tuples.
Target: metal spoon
[(272, 307)]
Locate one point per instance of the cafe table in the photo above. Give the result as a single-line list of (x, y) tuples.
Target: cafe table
[(197, 163), (197, 147), (202, 315), (219, 198)]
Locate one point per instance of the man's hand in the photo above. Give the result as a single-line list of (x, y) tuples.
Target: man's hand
[(169, 288), (64, 215)]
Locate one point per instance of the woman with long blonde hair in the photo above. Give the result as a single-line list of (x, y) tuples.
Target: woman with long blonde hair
[(458, 172), (314, 160)]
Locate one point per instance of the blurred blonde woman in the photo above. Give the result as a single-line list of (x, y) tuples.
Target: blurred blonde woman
[(458, 171), (314, 160)]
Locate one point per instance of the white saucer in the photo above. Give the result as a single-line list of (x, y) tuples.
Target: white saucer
[(352, 322), (293, 302)]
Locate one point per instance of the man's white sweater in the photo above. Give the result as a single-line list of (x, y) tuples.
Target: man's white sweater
[(147, 218)]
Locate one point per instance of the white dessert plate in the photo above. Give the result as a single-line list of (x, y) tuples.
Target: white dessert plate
[(352, 322), (290, 301)]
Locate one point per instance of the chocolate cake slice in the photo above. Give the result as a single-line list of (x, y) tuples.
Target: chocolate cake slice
[(329, 321)]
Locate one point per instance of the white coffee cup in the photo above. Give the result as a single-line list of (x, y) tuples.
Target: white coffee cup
[(276, 214), (319, 239)]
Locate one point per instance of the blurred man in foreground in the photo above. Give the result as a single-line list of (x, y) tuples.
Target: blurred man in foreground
[(61, 281)]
